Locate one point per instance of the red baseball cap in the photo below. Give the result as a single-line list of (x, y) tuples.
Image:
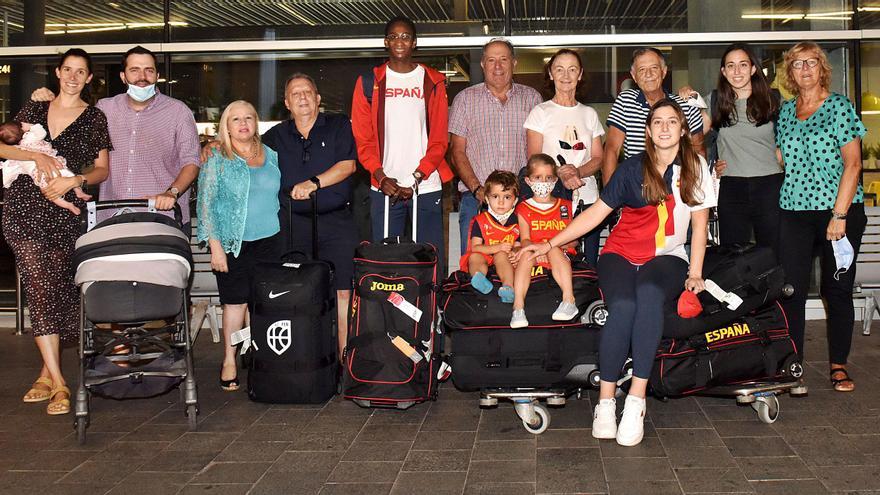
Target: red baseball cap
[(688, 305)]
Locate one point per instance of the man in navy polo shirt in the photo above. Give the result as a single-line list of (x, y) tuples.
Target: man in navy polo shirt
[(316, 151)]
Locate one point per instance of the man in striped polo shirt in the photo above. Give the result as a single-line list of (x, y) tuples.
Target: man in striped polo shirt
[(486, 128), (627, 120)]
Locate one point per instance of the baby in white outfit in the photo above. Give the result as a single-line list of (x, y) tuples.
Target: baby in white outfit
[(34, 139)]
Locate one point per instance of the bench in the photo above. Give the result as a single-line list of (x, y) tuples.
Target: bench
[(204, 292), (867, 284)]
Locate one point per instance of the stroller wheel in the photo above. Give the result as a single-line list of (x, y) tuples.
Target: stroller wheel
[(192, 412), (81, 424)]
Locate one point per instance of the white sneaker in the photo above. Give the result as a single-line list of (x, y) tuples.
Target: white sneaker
[(605, 419), (565, 312), (632, 422), (518, 319)]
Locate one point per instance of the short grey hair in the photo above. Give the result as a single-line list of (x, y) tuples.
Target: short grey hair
[(504, 41), (638, 52)]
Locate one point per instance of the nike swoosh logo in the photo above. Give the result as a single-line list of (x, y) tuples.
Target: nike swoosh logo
[(273, 295)]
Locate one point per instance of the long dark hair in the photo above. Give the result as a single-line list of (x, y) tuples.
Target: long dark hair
[(85, 94), (654, 187), (761, 106), (549, 90)]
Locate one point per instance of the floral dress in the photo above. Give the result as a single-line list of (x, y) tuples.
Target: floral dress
[(42, 235)]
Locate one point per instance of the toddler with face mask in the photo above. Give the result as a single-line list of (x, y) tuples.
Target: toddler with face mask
[(540, 218), (494, 236)]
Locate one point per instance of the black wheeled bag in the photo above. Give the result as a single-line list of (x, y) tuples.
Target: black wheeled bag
[(754, 347), (751, 272), (292, 359), (392, 353), (464, 307)]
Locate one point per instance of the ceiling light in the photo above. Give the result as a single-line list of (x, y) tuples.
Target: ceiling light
[(772, 16)]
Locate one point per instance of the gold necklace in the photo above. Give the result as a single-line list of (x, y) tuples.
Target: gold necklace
[(256, 151)]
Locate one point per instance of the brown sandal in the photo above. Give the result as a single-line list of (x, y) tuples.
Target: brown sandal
[(845, 384), (39, 394), (58, 406)]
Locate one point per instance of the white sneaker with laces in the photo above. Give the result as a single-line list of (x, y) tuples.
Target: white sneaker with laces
[(632, 422), (518, 319), (565, 312), (605, 419)]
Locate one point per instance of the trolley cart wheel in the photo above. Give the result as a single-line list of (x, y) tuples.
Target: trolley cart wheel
[(541, 421), (594, 378), (625, 379), (192, 415), (81, 423), (535, 418), (767, 408)]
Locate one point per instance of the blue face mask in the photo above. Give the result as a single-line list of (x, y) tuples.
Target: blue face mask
[(140, 94)]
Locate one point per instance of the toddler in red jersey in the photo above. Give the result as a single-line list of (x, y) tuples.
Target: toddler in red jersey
[(540, 218), (494, 236)]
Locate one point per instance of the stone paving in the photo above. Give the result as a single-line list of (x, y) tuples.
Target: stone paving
[(825, 443)]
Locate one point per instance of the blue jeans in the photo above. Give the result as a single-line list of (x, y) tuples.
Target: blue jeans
[(468, 208), (430, 221)]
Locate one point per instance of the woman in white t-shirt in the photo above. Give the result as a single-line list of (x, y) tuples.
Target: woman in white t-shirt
[(570, 132)]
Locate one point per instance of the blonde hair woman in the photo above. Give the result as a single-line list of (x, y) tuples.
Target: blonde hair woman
[(238, 216), (819, 138)]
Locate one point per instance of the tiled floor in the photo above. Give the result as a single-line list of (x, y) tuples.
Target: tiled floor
[(825, 443)]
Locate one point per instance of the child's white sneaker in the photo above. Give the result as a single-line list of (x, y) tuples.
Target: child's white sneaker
[(518, 320), (632, 423), (605, 419), (566, 311)]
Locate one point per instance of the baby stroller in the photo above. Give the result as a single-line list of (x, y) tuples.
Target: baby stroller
[(134, 271)]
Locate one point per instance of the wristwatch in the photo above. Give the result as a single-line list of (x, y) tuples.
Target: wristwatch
[(175, 191), (316, 181), (419, 176)]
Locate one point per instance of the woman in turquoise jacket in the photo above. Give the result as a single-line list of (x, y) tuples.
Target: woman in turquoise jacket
[(238, 217)]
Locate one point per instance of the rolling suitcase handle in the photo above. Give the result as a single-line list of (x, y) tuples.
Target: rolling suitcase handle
[(314, 200), (415, 217)]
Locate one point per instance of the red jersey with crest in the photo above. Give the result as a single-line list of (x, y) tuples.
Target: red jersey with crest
[(544, 224), (487, 228)]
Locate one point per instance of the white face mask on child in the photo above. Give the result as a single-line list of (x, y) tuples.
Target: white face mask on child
[(500, 217), (542, 189)]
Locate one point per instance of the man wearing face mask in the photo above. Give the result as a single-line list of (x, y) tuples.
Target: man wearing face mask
[(155, 142)]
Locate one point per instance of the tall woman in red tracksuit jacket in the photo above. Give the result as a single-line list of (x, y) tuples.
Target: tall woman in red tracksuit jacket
[(644, 264), (399, 117)]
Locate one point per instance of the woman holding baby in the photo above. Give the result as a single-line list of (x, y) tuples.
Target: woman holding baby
[(42, 234)]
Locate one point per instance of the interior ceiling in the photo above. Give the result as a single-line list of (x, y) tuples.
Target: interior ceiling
[(527, 15)]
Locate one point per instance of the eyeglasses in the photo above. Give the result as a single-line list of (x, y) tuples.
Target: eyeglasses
[(799, 64), (306, 144), (401, 37)]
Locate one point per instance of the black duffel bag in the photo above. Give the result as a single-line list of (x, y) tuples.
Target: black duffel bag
[(751, 272), (464, 307), (754, 347), (292, 358)]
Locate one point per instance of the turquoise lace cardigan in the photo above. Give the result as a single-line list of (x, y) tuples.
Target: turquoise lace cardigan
[(223, 198)]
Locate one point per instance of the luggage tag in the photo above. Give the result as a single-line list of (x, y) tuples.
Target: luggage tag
[(404, 347), (243, 337), (729, 298), (405, 306), (444, 371)]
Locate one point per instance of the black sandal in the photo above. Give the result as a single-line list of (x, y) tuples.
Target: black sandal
[(228, 385), (837, 383)]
